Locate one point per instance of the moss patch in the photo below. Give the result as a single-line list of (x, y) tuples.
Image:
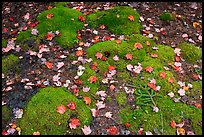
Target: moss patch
[(190, 52), (168, 111), (6, 115), (64, 20), (121, 98), (4, 43), (9, 62), (167, 16), (116, 20), (40, 113)]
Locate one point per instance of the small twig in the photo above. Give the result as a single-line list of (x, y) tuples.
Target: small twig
[(128, 85)]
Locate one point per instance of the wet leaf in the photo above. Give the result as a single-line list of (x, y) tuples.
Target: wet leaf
[(74, 123), (61, 109), (71, 106)]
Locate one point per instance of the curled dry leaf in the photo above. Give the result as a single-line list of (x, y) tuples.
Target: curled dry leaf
[(74, 123), (131, 18), (98, 55), (162, 74), (61, 109), (112, 130), (86, 130), (87, 100), (71, 106)]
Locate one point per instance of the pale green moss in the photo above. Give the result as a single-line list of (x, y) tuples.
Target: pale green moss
[(116, 20), (190, 52), (9, 62), (121, 98), (167, 16), (40, 113), (6, 115)]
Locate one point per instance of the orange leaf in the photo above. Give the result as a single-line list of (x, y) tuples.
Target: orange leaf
[(61, 109), (154, 55), (94, 66), (149, 69), (128, 56), (196, 77), (198, 105), (127, 124), (162, 74), (79, 53), (80, 43), (112, 87), (49, 36), (131, 18), (102, 27), (185, 88), (152, 86), (92, 79), (110, 68), (49, 65), (178, 58), (180, 131), (81, 18), (147, 43), (118, 41), (170, 80), (173, 124), (96, 37), (71, 105), (98, 55), (49, 16), (112, 130), (138, 45), (74, 123), (87, 100), (36, 133)]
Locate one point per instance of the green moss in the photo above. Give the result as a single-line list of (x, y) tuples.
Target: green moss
[(9, 62), (165, 54), (190, 52), (60, 4), (4, 43), (167, 16), (116, 20), (168, 111), (40, 113), (6, 115), (121, 98), (196, 90)]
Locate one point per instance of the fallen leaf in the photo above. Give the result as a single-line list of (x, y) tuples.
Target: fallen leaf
[(196, 77), (154, 55), (185, 88), (147, 43), (36, 133), (98, 55), (162, 74), (94, 66), (118, 41), (86, 89), (92, 79), (195, 24), (79, 53), (180, 131), (112, 130), (140, 131), (128, 56), (149, 69), (94, 112), (173, 124), (155, 109), (108, 114), (81, 18), (102, 27), (61, 109), (86, 130), (49, 36), (171, 80), (100, 105), (137, 69), (131, 18), (148, 133), (87, 100), (129, 67), (74, 123), (116, 58), (101, 93), (152, 86), (49, 16), (112, 87), (71, 106), (4, 132), (110, 68), (55, 78), (177, 58), (103, 58), (171, 94), (138, 45), (198, 105), (181, 92), (60, 64), (127, 125)]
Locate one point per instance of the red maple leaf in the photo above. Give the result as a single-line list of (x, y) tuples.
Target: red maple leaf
[(49, 36), (154, 55), (118, 41), (138, 45), (102, 26), (127, 124), (49, 16), (170, 80), (112, 87), (107, 37), (173, 124), (110, 68), (98, 55), (152, 86), (149, 69), (71, 105), (162, 74), (131, 18), (61, 109), (128, 56), (78, 81), (92, 79), (49, 65), (94, 66), (74, 123), (81, 18), (112, 130), (79, 52), (196, 77), (87, 100)]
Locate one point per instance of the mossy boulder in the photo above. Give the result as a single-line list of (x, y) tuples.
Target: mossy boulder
[(10, 62), (6, 115), (168, 111), (167, 16), (116, 20), (190, 52), (40, 113), (64, 20)]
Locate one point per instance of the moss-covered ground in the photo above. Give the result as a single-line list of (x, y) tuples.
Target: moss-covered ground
[(10, 62)]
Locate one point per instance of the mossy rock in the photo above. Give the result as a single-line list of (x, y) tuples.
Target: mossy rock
[(190, 52), (6, 115), (168, 111), (10, 62), (167, 16), (40, 113), (64, 20), (121, 98), (116, 20)]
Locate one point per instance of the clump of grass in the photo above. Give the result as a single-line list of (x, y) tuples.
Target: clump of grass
[(9, 62), (121, 98), (190, 52), (167, 16), (40, 113), (116, 20)]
